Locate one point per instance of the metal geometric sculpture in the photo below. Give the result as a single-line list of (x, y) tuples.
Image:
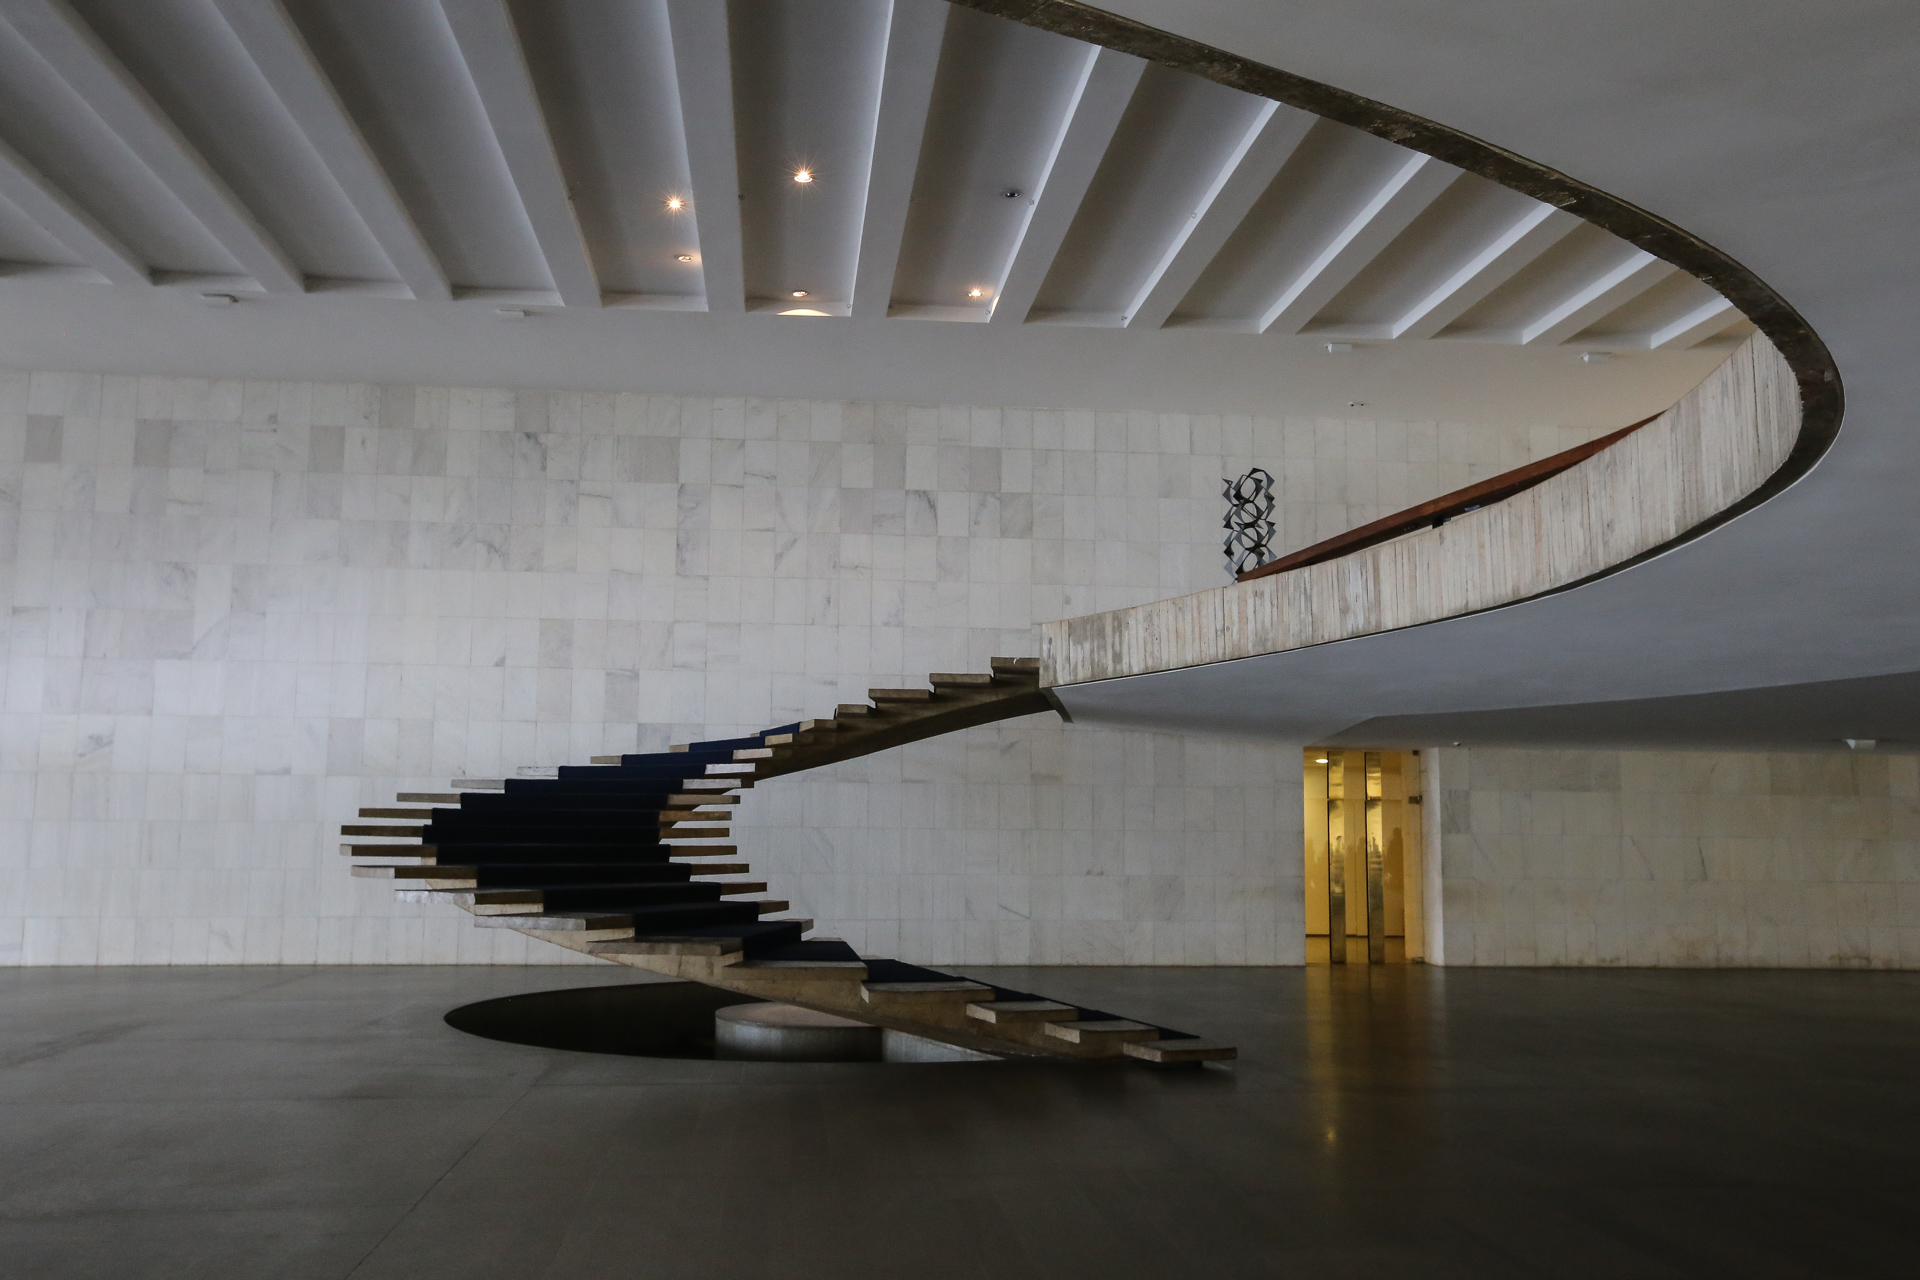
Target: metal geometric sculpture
[(1248, 522)]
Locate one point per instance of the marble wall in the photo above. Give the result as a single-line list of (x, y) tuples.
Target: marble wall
[(1680, 858), (238, 611)]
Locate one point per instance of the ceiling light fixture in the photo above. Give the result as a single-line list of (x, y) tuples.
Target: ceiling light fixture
[(1321, 760), (675, 204), (1338, 348), (803, 176), (799, 293), (802, 311), (684, 257), (976, 293), (1595, 357)]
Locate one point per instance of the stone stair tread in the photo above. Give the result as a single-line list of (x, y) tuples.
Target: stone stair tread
[(847, 966), (956, 986), (566, 922), (428, 797), (1186, 1050), (412, 872), (1016, 1011), (1105, 1029)]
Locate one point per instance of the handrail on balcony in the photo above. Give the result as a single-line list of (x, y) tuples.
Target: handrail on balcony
[(1438, 511)]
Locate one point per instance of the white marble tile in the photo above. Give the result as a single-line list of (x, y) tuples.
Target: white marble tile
[(239, 609)]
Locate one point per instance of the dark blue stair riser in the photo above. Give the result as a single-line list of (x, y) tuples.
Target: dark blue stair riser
[(620, 897), (584, 820), (757, 939), (482, 852), (649, 917), (562, 801), (630, 835), (525, 875)]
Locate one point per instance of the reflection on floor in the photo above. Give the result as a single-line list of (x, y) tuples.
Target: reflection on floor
[(294, 1123)]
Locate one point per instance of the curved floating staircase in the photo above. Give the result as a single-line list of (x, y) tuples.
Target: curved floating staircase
[(622, 859)]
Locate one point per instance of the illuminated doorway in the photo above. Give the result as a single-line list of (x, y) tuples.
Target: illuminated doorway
[(1364, 869)]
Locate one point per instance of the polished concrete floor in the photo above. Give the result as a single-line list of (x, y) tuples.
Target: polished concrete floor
[(293, 1123)]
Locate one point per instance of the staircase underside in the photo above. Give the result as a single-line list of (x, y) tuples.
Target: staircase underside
[(625, 860)]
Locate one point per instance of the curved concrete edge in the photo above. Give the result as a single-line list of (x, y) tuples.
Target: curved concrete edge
[(1723, 446)]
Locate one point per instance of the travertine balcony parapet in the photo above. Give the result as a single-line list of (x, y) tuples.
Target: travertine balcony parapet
[(1718, 445)]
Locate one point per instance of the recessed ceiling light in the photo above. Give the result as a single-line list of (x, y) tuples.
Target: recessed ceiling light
[(802, 311), (976, 293), (1338, 348), (799, 293), (1321, 760), (684, 257), (675, 204), (803, 176)]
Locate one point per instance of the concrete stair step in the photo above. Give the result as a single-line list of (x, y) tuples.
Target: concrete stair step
[(1115, 1031), (958, 992), (1168, 1051), (428, 797), (425, 852), (430, 872), (881, 697), (585, 926), (425, 815), (1022, 1012), (370, 829)]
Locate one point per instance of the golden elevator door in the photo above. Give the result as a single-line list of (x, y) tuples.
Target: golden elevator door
[(1362, 856)]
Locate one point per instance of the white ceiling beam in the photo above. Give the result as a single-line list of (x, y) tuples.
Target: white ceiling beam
[(1694, 327), (915, 33), (1610, 292), (490, 47), (1266, 146), (1105, 86), (290, 70), (1537, 231), (703, 70), (77, 56), (48, 208), (1414, 186)]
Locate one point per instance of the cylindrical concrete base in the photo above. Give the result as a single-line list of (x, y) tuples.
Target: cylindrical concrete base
[(789, 1033)]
